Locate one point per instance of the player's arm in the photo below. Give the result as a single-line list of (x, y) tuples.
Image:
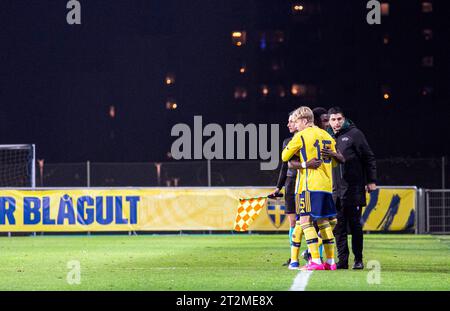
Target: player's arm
[(311, 164), (331, 152), (283, 174), (335, 155), (368, 160), (292, 148)]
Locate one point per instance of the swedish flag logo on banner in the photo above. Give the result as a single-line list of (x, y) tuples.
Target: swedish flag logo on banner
[(276, 213)]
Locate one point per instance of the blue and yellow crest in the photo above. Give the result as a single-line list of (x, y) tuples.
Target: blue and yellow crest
[(276, 213)]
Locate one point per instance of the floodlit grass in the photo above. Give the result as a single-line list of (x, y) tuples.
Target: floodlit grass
[(210, 262)]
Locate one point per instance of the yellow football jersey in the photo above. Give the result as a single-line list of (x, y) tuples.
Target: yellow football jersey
[(307, 145)]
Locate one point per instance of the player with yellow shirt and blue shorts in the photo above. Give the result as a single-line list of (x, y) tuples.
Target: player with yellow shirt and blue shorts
[(313, 191)]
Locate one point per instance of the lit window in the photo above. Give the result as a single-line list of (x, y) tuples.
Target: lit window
[(386, 92), (240, 92), (297, 7), (112, 112), (384, 9), (243, 69), (386, 39), (239, 37), (426, 90), (298, 89), (265, 90), (281, 91), (171, 104), (307, 91), (427, 34), (427, 7), (170, 79), (427, 61), (263, 42), (271, 39)]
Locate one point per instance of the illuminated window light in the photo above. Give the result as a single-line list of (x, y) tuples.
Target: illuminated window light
[(298, 89), (112, 112), (239, 38), (240, 92), (171, 104), (384, 9), (170, 79), (386, 92), (427, 34), (243, 69), (386, 39), (426, 90), (427, 7), (265, 90), (281, 91), (297, 7)]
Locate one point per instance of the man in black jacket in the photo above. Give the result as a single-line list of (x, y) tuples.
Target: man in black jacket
[(351, 180)]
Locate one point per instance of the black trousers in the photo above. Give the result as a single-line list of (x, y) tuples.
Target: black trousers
[(348, 217)]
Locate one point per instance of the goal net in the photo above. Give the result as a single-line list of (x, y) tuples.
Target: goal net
[(17, 166)]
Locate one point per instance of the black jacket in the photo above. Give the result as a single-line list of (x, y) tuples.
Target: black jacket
[(284, 170), (359, 169)]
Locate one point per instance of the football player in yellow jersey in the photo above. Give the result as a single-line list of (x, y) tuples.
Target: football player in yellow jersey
[(313, 190)]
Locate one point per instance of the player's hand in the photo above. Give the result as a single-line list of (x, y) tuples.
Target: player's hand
[(294, 164), (371, 187), (277, 190), (275, 193), (328, 153), (313, 163)]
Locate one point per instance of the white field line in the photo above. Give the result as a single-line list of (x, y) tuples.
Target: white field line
[(301, 280)]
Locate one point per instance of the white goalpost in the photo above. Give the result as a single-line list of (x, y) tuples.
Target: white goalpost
[(17, 166)]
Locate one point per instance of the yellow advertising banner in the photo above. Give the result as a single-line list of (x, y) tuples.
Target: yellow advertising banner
[(166, 209)]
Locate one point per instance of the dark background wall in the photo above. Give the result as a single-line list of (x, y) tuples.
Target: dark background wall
[(57, 82)]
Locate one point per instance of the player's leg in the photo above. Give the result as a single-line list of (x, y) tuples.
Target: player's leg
[(340, 233), (328, 242), (295, 237), (354, 218), (289, 201), (306, 255), (295, 246), (310, 233), (312, 241), (316, 226), (291, 210), (297, 233), (291, 218), (333, 222)]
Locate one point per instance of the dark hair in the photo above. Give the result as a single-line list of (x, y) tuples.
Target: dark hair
[(336, 110), (318, 111)]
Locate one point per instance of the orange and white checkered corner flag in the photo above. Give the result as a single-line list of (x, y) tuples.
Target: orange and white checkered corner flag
[(248, 211)]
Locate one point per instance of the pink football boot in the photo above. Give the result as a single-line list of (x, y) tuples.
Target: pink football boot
[(311, 266)]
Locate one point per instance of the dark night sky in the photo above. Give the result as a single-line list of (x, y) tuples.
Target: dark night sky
[(58, 81)]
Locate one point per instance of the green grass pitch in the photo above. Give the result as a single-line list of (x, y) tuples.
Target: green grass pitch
[(211, 262)]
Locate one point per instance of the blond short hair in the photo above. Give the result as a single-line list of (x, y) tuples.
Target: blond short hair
[(304, 113)]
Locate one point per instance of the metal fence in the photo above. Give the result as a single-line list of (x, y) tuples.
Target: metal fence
[(432, 209), (437, 211), (429, 173)]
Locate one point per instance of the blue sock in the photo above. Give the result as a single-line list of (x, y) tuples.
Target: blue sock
[(291, 231), (321, 250)]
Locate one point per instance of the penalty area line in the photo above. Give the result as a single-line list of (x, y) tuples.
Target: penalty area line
[(300, 281)]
